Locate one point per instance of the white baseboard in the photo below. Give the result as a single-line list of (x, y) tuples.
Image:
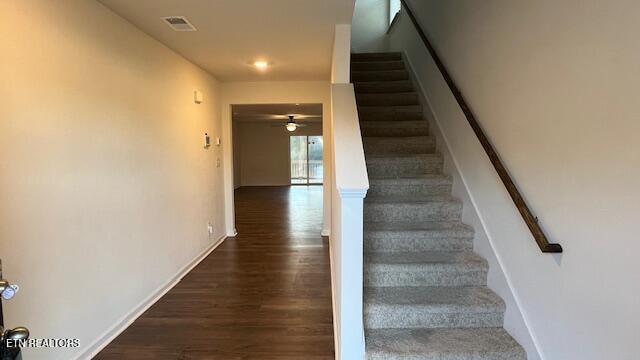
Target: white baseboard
[(325, 232), (130, 317)]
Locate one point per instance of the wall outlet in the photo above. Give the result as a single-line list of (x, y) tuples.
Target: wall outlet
[(210, 228)]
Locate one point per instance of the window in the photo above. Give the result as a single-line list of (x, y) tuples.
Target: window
[(394, 8), (306, 159)]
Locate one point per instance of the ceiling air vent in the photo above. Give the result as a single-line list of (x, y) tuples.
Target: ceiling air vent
[(179, 23)]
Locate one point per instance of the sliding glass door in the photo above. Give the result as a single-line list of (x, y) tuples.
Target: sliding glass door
[(306, 160)]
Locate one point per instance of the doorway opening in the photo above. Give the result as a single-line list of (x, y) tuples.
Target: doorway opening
[(305, 154), (277, 144)]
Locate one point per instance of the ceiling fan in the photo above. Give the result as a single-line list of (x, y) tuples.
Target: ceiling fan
[(291, 124)]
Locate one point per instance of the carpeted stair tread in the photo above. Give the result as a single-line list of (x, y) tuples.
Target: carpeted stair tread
[(431, 179), (418, 236), (380, 75), (432, 307), (420, 226), (374, 87), (437, 298), (442, 344), (377, 65), (424, 268), (388, 99), (419, 258), (376, 56), (415, 208), (381, 145), (403, 165)]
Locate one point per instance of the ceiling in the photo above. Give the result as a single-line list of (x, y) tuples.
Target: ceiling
[(295, 36), (278, 112)]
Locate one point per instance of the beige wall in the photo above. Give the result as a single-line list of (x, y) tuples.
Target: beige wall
[(263, 152), (105, 188), (369, 26), (555, 86)]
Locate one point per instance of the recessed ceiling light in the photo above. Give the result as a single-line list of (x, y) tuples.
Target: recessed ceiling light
[(261, 64)]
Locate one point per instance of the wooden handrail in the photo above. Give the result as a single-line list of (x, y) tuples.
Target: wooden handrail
[(525, 212)]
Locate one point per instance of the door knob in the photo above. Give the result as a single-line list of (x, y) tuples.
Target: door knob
[(19, 333), (10, 342)]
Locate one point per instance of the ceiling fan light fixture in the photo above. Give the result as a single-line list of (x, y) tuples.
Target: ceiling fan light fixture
[(291, 126), (261, 65)]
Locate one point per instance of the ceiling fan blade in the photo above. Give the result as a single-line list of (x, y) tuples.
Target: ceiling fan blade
[(308, 117)]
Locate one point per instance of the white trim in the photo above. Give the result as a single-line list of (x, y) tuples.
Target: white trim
[(353, 193), (336, 335), (325, 232), (123, 323), (232, 233)]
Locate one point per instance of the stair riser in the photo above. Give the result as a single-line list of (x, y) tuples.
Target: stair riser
[(391, 75), (442, 344), (412, 212), (366, 57), (425, 277), (412, 241), (409, 190), (383, 87), (393, 131), (377, 65), (379, 168), (403, 316), (399, 146), (400, 99), (391, 113), (390, 116)]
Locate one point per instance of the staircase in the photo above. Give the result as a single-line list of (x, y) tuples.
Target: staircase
[(425, 289)]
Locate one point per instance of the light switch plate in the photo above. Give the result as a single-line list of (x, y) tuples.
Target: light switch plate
[(198, 98)]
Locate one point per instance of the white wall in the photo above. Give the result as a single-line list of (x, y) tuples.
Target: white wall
[(263, 149), (341, 56), (105, 187), (554, 85), (268, 92), (369, 26)]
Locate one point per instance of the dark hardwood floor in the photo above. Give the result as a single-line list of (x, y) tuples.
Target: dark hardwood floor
[(265, 294)]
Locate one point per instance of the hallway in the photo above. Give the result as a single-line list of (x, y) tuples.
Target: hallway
[(265, 294)]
